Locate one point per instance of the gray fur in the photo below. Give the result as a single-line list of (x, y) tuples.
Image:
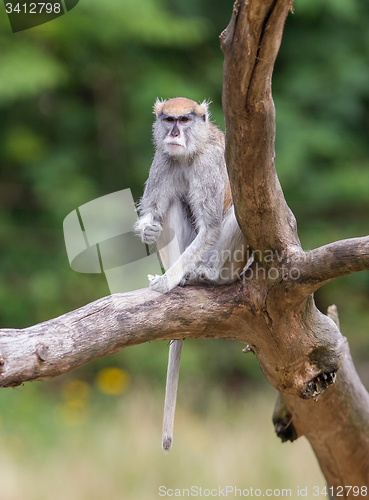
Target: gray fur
[(193, 179), (175, 351), (185, 193)]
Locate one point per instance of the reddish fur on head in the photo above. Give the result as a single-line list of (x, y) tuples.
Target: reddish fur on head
[(180, 106)]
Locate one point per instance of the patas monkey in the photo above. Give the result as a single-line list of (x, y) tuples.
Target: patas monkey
[(187, 210)]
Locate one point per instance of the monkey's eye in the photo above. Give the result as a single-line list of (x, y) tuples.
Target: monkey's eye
[(169, 119), (184, 119)]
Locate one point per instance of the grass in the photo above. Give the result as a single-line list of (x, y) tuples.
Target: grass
[(109, 448)]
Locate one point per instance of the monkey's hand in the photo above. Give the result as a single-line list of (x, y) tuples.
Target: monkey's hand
[(151, 233), (160, 284), (148, 229)]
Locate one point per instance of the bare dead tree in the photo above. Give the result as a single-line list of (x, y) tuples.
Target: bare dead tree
[(301, 351)]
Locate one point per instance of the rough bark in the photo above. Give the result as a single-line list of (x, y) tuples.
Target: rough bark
[(337, 424), (111, 323), (300, 350), (332, 261)]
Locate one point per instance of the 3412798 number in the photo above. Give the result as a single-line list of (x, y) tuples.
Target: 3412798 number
[(341, 491), (33, 8)]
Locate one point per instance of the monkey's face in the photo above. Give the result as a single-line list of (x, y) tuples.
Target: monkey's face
[(180, 135), (176, 136), (181, 126)]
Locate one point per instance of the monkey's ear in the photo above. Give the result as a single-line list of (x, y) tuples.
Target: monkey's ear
[(203, 110), (158, 106)]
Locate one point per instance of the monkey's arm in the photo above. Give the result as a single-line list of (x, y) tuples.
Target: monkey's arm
[(153, 205), (206, 204)]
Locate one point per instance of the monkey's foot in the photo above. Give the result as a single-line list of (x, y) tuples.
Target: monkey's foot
[(200, 274), (160, 284), (206, 273), (189, 278)]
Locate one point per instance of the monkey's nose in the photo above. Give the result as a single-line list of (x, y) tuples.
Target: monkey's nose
[(175, 131)]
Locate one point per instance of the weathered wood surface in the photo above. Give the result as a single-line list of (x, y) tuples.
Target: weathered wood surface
[(337, 425)]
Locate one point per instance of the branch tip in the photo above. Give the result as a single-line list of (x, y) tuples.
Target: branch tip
[(332, 313)]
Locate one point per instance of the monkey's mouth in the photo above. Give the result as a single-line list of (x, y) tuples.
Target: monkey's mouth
[(174, 143), (175, 149)]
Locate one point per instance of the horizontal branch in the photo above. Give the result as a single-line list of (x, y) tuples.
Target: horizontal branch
[(111, 323), (328, 262), (250, 45)]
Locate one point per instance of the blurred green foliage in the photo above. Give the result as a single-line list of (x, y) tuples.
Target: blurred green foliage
[(76, 99)]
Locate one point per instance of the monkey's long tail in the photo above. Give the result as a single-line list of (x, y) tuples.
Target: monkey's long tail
[(175, 351)]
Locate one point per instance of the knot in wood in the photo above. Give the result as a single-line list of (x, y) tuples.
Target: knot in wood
[(41, 352)]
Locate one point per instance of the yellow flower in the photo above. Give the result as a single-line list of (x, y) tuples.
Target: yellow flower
[(76, 390), (112, 381)]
